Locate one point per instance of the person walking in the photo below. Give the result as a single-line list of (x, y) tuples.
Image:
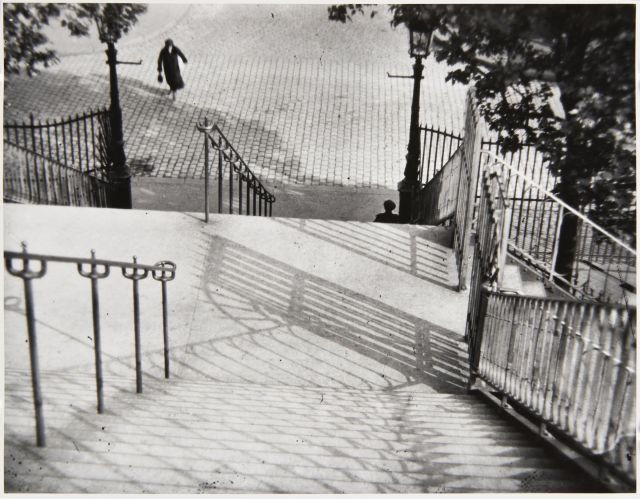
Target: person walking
[(168, 59)]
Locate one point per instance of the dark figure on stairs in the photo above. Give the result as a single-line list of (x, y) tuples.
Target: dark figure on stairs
[(168, 59), (388, 216)]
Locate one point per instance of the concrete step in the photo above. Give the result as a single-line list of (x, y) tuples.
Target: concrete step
[(520, 279), (184, 436)]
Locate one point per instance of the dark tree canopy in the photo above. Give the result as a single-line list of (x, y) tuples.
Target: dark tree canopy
[(23, 23), (517, 56)]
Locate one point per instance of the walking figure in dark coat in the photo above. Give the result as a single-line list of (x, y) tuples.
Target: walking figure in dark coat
[(388, 216), (168, 59)]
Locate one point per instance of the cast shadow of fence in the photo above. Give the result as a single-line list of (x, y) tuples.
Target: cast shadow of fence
[(186, 437), (275, 324), (422, 253)]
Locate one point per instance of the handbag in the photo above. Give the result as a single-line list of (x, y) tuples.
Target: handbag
[(159, 77)]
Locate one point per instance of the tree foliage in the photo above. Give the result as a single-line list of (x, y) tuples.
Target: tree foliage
[(518, 57), (25, 42)]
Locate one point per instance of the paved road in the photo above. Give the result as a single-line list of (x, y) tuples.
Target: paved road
[(305, 101)]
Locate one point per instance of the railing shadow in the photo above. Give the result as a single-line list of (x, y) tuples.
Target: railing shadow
[(273, 323), (423, 254), (199, 437)]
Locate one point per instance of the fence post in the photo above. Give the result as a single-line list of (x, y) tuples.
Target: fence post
[(476, 335), (220, 160), (26, 274), (135, 275), (556, 240), (94, 275), (205, 128)]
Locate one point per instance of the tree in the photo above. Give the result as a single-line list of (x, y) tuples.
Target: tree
[(25, 43), (516, 56)]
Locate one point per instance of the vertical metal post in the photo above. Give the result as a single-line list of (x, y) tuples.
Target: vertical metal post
[(220, 159), (206, 175), (556, 241), (94, 275), (135, 275), (240, 176), (167, 274), (96, 343), (35, 366), (136, 326), (248, 205), (35, 157), (27, 275), (254, 200), (230, 187), (165, 329), (206, 128)]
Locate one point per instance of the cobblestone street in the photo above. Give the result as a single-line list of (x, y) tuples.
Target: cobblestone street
[(304, 100)]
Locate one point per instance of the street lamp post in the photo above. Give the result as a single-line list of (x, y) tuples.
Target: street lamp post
[(120, 176), (419, 42)]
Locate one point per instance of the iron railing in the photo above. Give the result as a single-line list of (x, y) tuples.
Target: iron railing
[(31, 178), (604, 267), (256, 200), (490, 246), (437, 148), (94, 269), (78, 141), (570, 364), (435, 203)]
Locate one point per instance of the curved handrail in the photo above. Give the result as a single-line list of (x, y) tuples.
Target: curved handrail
[(232, 156)]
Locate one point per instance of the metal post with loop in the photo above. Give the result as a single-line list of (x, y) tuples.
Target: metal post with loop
[(167, 273), (94, 275), (135, 275), (205, 128), (26, 274)]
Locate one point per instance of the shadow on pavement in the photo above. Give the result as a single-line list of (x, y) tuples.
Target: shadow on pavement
[(423, 254), (303, 330), (160, 135)]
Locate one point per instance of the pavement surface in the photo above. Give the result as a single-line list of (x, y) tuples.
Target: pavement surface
[(304, 100), (306, 356)]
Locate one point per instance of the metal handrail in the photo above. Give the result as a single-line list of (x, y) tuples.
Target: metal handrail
[(226, 152), (441, 146), (593, 240), (570, 364), (94, 269), (549, 194)]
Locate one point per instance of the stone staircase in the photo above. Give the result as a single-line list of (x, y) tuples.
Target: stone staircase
[(308, 356), (184, 436)]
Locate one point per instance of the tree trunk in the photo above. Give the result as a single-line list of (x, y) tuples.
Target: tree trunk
[(567, 248)]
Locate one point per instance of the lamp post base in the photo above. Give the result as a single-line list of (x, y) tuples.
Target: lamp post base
[(120, 190), (405, 191)]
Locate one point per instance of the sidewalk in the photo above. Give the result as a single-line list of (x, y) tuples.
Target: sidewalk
[(292, 201), (304, 100)]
